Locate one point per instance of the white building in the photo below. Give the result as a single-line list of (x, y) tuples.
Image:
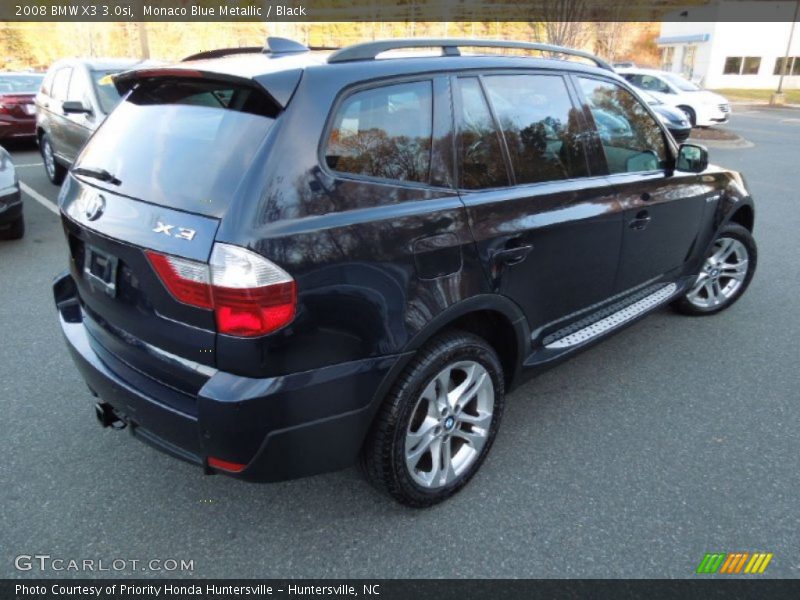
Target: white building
[(720, 54)]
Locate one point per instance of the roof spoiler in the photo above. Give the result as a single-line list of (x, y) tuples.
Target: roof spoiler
[(279, 85)]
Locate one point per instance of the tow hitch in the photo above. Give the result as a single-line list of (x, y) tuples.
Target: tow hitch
[(107, 417)]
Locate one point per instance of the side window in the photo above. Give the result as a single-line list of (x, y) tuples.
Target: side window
[(384, 132), (79, 89), (540, 125), (482, 164), (61, 84), (632, 140), (651, 84)]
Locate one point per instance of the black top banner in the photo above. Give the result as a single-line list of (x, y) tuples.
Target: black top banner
[(399, 10)]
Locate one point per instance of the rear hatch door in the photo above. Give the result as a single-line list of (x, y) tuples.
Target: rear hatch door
[(158, 176)]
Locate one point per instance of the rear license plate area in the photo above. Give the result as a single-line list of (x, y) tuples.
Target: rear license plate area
[(100, 269)]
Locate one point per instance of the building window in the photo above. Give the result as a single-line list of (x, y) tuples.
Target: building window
[(742, 65), (792, 68), (751, 65), (733, 65), (667, 55)]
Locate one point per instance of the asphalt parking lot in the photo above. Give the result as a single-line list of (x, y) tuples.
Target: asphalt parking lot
[(677, 437)]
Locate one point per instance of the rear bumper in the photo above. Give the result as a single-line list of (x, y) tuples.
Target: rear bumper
[(13, 127), (280, 428), (713, 115), (10, 206)]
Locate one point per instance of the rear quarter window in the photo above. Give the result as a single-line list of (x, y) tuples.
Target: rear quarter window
[(384, 132)]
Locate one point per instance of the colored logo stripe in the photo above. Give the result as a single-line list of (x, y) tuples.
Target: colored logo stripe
[(710, 563), (759, 562), (734, 562)]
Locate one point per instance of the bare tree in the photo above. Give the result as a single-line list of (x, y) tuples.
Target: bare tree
[(564, 22), (609, 38)]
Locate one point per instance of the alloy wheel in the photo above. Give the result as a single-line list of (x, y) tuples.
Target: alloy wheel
[(450, 424), (723, 274), (49, 159)]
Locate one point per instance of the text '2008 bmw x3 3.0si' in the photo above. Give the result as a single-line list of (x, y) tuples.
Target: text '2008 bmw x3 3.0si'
[(284, 262)]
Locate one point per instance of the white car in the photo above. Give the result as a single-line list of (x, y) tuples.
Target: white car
[(702, 107)]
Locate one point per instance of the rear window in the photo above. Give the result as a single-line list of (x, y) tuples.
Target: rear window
[(20, 84), (107, 94), (182, 143)]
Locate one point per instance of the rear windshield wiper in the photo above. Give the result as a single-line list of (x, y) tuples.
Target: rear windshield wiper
[(100, 174)]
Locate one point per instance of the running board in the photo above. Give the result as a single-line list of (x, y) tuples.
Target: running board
[(630, 311)]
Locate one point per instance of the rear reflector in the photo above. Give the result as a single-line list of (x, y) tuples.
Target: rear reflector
[(250, 295), (225, 465)]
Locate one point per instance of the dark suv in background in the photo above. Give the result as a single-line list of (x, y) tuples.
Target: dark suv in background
[(74, 99), (283, 261)]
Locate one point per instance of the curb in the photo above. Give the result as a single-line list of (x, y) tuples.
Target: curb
[(724, 144), (767, 105)]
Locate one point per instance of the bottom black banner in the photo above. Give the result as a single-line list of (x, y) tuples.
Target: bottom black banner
[(396, 589)]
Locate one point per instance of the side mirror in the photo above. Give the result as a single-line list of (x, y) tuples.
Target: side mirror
[(74, 107), (692, 158)]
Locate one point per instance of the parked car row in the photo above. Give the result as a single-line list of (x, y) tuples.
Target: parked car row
[(702, 108), (60, 110)]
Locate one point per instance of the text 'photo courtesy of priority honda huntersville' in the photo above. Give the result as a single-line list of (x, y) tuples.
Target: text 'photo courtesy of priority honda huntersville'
[(284, 262)]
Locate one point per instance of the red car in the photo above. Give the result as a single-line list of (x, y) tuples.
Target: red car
[(17, 110)]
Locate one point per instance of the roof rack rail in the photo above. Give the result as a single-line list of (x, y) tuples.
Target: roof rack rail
[(222, 52), (449, 46)]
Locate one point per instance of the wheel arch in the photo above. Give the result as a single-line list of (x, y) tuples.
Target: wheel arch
[(495, 318), (690, 111), (744, 216)]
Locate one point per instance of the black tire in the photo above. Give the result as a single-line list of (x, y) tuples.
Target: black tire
[(684, 305), (383, 456), (690, 114), (15, 231), (57, 172)]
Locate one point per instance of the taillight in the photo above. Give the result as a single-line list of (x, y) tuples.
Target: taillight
[(250, 295), (186, 280)]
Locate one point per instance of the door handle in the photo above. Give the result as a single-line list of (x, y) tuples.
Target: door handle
[(641, 220), (513, 255)]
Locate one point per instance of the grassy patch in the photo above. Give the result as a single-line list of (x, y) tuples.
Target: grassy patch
[(792, 96)]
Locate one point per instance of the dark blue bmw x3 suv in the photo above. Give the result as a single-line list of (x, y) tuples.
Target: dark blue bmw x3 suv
[(283, 262)]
